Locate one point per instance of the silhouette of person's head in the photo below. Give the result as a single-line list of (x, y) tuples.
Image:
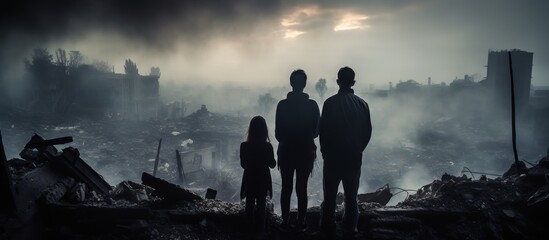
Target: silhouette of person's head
[(345, 77), (258, 131), (298, 80)]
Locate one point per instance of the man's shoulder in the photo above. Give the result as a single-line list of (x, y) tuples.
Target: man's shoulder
[(312, 102), (283, 101), (282, 104), (331, 99), (360, 99)]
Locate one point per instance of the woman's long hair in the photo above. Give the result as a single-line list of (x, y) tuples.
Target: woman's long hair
[(258, 132)]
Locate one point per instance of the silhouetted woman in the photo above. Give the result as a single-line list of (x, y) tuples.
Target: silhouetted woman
[(256, 156)]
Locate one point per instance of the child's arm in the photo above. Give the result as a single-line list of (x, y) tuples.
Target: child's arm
[(271, 162), (243, 159)]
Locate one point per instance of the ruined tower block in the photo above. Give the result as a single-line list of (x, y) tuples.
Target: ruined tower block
[(499, 76)]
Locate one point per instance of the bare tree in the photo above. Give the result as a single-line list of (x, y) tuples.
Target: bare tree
[(61, 58), (130, 68), (75, 60), (321, 87), (41, 60), (42, 74)]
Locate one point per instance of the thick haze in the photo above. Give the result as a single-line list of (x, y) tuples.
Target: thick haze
[(225, 54), (260, 42)]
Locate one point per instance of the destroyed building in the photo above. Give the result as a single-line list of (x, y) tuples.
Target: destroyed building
[(499, 77), (51, 194), (118, 95), (73, 88)]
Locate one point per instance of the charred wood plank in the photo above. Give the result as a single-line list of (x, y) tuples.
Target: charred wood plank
[(7, 201), (70, 159), (168, 190), (45, 153), (36, 143)]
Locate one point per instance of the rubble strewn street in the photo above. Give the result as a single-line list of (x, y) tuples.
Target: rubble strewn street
[(74, 202)]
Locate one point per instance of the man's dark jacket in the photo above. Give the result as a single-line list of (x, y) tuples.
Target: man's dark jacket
[(345, 127), (296, 127)]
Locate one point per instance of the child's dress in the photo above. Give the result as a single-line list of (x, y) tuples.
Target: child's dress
[(256, 158)]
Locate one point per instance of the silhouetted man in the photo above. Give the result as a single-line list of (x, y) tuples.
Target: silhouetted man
[(296, 127), (345, 130)]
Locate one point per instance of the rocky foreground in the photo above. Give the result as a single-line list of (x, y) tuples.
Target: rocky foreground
[(53, 194)]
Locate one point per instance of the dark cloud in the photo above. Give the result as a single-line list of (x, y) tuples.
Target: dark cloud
[(450, 37), (147, 20)]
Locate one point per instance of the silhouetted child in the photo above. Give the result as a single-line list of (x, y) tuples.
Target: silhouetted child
[(256, 156)]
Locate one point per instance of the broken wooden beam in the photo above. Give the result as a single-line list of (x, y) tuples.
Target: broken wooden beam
[(157, 159), (45, 153), (168, 190), (37, 143), (70, 159), (181, 175)]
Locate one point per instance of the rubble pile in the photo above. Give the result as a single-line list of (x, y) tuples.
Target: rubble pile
[(58, 196), (506, 207)]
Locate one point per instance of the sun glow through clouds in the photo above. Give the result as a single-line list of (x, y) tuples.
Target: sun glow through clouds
[(351, 21), (292, 33), (296, 18)]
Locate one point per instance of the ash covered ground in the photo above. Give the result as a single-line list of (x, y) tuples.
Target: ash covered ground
[(420, 148), (413, 143)]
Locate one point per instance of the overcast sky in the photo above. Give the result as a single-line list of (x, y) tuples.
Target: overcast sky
[(259, 43)]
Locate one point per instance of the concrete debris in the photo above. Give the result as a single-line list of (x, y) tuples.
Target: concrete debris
[(130, 191), (55, 192), (381, 196), (78, 193), (168, 190), (59, 196), (70, 159)]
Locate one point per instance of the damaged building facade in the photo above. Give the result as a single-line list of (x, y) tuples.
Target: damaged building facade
[(499, 77), (87, 91), (118, 95)]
